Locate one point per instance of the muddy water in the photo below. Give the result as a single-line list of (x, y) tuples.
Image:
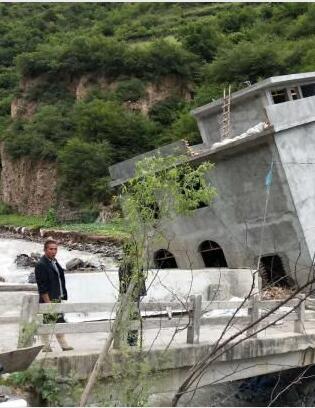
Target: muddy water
[(10, 248), (82, 287)]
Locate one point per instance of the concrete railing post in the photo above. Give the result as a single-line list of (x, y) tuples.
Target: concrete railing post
[(28, 320), (300, 310), (193, 330), (118, 333), (253, 312)]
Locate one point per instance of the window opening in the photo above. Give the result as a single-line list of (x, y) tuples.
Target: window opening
[(308, 90), (294, 93), (273, 273), (280, 96), (212, 255), (163, 259)]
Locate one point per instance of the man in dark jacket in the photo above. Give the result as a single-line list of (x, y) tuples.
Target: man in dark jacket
[(51, 286)]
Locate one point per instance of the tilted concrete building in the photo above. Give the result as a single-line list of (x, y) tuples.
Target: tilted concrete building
[(271, 121)]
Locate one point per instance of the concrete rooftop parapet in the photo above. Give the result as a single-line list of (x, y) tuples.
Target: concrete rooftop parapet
[(253, 89), (125, 170), (292, 113), (201, 153), (236, 145)]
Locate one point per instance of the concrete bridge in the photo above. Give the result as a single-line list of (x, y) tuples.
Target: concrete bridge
[(286, 338)]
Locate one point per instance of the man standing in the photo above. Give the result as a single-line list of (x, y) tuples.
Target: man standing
[(51, 285)]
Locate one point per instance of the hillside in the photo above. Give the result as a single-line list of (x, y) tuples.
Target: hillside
[(84, 85)]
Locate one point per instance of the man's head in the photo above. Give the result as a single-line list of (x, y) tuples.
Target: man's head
[(50, 248)]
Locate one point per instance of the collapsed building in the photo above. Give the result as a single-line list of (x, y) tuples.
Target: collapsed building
[(271, 126)]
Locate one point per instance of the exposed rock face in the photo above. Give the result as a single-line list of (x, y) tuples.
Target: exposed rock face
[(20, 107), (157, 92), (154, 92), (26, 186)]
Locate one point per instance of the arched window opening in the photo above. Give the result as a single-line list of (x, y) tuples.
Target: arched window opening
[(273, 273), (212, 255), (163, 259)]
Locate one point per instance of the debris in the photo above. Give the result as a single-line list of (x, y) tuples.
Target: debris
[(276, 292)]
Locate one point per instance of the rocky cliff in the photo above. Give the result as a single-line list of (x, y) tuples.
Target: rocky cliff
[(26, 186)]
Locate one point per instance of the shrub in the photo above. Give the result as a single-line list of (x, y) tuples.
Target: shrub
[(185, 127), (304, 24), (40, 137), (130, 89), (31, 146), (49, 91), (237, 18), (163, 58), (5, 105), (81, 165), (46, 384), (5, 209), (165, 112), (8, 78), (51, 218), (247, 61), (127, 132), (201, 38)]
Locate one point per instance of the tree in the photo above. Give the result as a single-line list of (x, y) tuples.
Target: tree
[(128, 133), (201, 38), (84, 170), (247, 61), (170, 183)]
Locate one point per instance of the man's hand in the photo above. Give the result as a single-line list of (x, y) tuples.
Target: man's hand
[(45, 298)]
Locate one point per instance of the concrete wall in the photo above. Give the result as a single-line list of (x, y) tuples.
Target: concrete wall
[(243, 116), (297, 148), (234, 220), (293, 113), (161, 285), (126, 169)]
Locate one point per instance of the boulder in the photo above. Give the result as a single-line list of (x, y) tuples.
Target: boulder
[(31, 278), (2, 279), (75, 263), (89, 264), (25, 261), (36, 256)]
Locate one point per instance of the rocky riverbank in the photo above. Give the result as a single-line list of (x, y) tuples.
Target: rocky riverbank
[(95, 244)]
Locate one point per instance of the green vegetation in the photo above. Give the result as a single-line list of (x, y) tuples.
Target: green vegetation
[(115, 228), (20, 220), (201, 46), (46, 385), (5, 209)]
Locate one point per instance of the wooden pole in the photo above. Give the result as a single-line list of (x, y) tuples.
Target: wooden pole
[(193, 330), (27, 324)]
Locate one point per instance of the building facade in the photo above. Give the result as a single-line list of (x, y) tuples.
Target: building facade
[(272, 129)]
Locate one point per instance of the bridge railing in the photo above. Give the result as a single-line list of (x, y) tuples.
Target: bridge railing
[(191, 315), (10, 296)]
